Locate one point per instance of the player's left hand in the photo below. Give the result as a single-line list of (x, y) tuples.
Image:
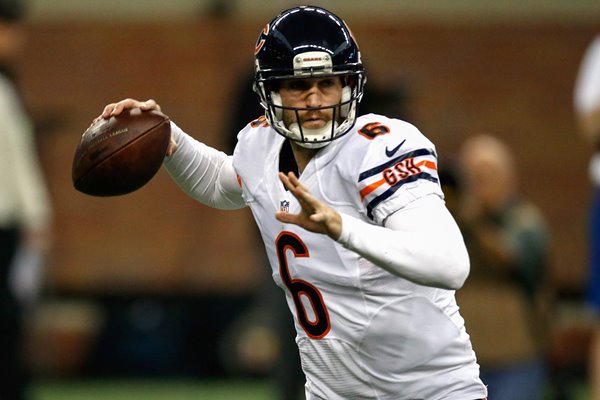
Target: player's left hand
[(315, 215)]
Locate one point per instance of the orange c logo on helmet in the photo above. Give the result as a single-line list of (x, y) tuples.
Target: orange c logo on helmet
[(261, 40)]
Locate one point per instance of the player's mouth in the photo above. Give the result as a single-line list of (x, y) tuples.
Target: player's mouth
[(313, 123), (314, 120)]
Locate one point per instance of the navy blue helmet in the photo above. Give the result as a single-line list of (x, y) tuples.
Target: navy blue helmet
[(308, 42)]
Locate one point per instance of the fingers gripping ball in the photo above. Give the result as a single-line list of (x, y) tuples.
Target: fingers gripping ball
[(120, 155)]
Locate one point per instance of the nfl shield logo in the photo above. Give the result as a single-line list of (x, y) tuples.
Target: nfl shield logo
[(284, 206)]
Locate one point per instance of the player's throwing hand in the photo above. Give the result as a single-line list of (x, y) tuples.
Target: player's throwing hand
[(117, 108)]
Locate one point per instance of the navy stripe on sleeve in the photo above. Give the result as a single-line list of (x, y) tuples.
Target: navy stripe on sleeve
[(394, 161)]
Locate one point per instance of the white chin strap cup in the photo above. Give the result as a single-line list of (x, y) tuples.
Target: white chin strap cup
[(313, 138)]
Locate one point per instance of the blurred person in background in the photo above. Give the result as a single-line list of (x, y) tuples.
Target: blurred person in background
[(505, 300), (25, 210), (352, 217), (587, 111)]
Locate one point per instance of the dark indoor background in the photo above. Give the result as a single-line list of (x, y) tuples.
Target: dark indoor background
[(130, 277)]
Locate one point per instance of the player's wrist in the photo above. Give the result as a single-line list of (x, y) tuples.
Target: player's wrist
[(346, 225), (334, 226)]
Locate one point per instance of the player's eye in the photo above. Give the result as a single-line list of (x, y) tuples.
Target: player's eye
[(327, 83), (297, 85)]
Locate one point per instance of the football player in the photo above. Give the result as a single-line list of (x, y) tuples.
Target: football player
[(352, 217)]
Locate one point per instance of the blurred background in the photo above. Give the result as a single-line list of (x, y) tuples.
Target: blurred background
[(152, 285)]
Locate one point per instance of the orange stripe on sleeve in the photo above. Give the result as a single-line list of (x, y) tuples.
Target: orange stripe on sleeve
[(370, 188), (428, 164)]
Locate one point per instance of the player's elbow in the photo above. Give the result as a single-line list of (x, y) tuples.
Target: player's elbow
[(457, 279), (455, 271)]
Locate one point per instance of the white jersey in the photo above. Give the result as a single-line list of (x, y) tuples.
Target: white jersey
[(362, 332)]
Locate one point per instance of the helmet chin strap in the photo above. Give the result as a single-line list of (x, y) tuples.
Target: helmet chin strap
[(346, 96), (307, 133)]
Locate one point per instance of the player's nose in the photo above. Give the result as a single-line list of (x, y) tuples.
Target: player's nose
[(313, 96)]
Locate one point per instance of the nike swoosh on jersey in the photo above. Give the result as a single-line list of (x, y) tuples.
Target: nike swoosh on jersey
[(390, 153)]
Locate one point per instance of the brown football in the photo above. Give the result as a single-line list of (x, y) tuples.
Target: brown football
[(121, 154)]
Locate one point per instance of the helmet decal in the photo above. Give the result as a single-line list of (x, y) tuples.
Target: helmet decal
[(261, 40)]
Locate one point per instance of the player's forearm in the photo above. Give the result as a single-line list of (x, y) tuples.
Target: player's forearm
[(204, 173), (432, 255)]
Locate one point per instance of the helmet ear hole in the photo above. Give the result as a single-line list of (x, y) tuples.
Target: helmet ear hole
[(276, 101), (346, 96)]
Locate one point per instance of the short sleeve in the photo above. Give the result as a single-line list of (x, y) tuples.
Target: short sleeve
[(398, 168)]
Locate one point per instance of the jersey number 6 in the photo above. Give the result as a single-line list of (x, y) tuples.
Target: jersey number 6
[(318, 326)]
